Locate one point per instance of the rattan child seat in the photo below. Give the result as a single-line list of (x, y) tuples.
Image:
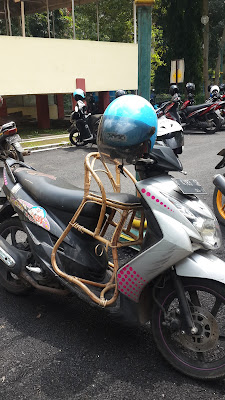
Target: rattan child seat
[(116, 205)]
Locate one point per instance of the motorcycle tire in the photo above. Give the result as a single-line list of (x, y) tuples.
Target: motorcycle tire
[(75, 138), (9, 150), (216, 124), (200, 356), (219, 205), (12, 231)]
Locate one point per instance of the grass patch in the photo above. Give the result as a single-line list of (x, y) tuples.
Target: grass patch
[(41, 143), (28, 133)]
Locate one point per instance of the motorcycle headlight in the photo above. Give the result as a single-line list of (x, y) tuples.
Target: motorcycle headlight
[(210, 231), (202, 219)]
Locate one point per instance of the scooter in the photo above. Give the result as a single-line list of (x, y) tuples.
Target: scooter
[(10, 142), (219, 191), (61, 239), (171, 133), (200, 116), (84, 127)]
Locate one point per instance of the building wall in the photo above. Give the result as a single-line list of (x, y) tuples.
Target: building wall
[(39, 66), (32, 111)]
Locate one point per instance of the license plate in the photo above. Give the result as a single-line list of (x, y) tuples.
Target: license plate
[(13, 139), (190, 186)]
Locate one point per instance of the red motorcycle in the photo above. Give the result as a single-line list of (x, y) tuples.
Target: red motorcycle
[(200, 116)]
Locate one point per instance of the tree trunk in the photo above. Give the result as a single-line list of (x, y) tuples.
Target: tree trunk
[(218, 61), (205, 11)]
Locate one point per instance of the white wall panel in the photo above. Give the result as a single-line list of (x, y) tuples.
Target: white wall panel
[(38, 66)]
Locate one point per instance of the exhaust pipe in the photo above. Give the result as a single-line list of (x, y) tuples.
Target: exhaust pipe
[(219, 182), (11, 258)]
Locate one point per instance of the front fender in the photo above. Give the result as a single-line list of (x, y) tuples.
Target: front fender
[(202, 265), (6, 211)]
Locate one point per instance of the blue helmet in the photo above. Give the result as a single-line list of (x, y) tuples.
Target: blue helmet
[(79, 94), (128, 124)]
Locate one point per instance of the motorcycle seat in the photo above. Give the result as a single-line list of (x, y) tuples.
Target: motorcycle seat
[(196, 107), (50, 191)]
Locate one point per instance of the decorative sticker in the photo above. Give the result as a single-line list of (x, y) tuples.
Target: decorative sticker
[(35, 214), (130, 282), (5, 179), (154, 198)]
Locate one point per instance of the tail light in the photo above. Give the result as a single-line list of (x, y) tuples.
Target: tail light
[(10, 132)]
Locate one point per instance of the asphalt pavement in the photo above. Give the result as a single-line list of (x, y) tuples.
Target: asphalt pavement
[(55, 348)]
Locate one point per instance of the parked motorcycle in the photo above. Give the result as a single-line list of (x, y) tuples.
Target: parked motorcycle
[(171, 133), (218, 194), (219, 99), (200, 116), (170, 130), (84, 126), (56, 238), (170, 108), (10, 142)]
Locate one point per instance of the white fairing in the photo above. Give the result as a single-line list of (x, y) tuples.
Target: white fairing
[(202, 265), (166, 125)]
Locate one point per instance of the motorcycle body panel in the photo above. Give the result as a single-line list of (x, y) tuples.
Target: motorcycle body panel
[(44, 225), (202, 265)]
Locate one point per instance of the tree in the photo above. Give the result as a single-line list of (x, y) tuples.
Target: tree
[(182, 33), (216, 35)]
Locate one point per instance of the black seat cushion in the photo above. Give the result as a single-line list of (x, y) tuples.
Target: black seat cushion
[(51, 191), (197, 107)]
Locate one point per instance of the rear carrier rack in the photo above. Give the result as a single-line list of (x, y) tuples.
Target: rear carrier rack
[(117, 214)]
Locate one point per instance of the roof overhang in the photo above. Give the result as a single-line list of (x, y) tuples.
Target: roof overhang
[(38, 6)]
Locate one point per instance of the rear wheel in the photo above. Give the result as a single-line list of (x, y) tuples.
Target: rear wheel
[(213, 122), (219, 205), (10, 150), (12, 231), (201, 355)]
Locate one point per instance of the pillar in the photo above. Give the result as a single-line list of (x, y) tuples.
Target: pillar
[(104, 100), (144, 46), (42, 111), (3, 110), (60, 105)]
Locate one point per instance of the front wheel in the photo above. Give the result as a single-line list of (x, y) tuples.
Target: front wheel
[(75, 138), (213, 123), (219, 205), (201, 355)]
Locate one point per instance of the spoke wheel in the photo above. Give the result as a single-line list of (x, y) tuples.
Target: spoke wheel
[(219, 205), (12, 231), (201, 355)]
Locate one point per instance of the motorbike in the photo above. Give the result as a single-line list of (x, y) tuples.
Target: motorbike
[(218, 194), (200, 116), (171, 133), (10, 142), (219, 99), (84, 126), (170, 108), (64, 240)]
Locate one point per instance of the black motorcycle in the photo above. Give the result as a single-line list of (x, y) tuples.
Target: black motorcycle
[(84, 126), (10, 142)]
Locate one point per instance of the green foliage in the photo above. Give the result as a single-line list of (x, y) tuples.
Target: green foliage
[(115, 21), (182, 33), (216, 26)]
